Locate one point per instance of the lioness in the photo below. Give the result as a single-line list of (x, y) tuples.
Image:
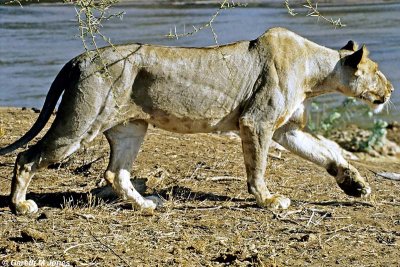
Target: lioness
[(257, 87)]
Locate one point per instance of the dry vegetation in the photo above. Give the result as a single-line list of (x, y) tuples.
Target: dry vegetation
[(208, 218)]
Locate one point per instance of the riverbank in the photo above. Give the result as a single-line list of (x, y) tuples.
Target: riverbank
[(208, 218), (215, 2)]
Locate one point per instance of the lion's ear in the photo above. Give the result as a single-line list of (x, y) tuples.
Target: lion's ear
[(357, 57), (351, 46)]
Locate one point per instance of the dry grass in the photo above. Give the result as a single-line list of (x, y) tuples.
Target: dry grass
[(208, 218)]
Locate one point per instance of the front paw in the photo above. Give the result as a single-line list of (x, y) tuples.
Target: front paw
[(275, 202), (147, 207), (25, 207), (351, 182)]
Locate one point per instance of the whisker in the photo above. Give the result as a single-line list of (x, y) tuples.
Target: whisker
[(393, 105)]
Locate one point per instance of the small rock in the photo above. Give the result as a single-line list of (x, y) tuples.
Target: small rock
[(45, 215), (32, 235), (157, 200), (307, 238), (9, 248), (36, 110), (87, 216)]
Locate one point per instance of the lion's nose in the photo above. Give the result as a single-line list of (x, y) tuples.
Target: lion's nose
[(391, 87), (378, 101)]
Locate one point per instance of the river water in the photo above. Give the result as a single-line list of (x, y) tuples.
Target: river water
[(36, 40)]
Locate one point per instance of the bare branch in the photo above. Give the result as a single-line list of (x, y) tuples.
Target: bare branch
[(209, 24), (314, 12)]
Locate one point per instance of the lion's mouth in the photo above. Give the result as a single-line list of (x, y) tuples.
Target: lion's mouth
[(375, 102), (378, 108)]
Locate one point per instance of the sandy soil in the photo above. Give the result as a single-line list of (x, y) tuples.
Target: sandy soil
[(208, 218)]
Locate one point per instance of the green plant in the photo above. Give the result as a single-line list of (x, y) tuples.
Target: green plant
[(322, 120), (378, 131)]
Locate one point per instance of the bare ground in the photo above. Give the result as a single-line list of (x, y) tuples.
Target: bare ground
[(208, 218)]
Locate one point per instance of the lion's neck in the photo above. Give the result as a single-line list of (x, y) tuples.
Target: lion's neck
[(321, 75)]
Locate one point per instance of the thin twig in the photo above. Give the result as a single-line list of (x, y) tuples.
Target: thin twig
[(338, 230), (310, 220), (225, 4), (77, 245), (289, 9), (283, 218), (388, 175), (208, 208), (314, 12), (224, 178), (330, 238), (343, 203), (275, 156), (390, 203), (109, 248), (13, 2)]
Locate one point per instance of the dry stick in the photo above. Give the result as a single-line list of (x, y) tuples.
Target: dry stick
[(292, 212), (77, 245), (390, 203), (330, 238), (90, 25), (320, 219), (310, 220), (198, 166), (336, 231), (208, 208), (224, 178), (314, 12), (13, 2), (109, 248), (338, 203), (289, 9), (387, 175), (283, 219), (274, 156)]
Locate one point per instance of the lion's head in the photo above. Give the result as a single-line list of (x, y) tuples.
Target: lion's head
[(361, 77)]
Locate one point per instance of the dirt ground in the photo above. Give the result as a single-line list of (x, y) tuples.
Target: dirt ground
[(208, 218)]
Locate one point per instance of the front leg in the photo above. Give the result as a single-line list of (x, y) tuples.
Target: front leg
[(317, 151), (256, 137)]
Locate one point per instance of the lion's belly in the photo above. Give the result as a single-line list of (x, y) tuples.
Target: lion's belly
[(186, 105), (193, 125)]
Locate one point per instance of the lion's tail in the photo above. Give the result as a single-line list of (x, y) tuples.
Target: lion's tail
[(57, 88)]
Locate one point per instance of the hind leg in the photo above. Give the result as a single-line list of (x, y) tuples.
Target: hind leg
[(28, 162), (125, 140), (25, 166), (59, 142)]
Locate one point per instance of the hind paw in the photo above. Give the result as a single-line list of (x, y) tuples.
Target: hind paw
[(146, 207), (26, 207), (276, 202)]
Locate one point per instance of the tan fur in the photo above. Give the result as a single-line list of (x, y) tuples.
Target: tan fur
[(257, 87)]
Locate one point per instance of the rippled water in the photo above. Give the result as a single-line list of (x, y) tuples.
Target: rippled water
[(35, 41)]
